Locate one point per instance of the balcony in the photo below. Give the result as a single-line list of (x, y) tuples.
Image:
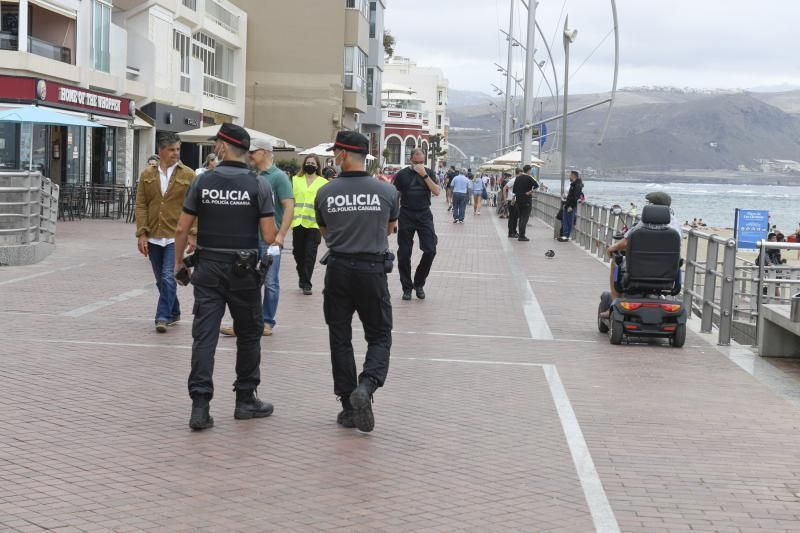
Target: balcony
[(222, 16), (219, 89), (49, 50), (405, 117), (8, 41)]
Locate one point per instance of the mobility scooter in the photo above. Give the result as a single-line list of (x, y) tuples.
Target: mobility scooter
[(648, 277)]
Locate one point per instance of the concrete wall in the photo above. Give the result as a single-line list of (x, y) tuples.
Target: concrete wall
[(295, 69)]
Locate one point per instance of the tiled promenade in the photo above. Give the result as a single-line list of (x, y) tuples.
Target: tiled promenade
[(505, 409)]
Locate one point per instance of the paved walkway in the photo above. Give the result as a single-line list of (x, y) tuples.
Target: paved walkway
[(505, 409)]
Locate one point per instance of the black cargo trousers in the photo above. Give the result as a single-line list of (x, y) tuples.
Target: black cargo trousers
[(216, 284), (421, 223), (357, 286)]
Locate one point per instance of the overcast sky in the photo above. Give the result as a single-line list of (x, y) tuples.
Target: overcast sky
[(683, 43)]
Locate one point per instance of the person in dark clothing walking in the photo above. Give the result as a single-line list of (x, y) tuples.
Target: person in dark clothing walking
[(524, 185), (416, 184), (571, 205), (230, 204), (356, 213)]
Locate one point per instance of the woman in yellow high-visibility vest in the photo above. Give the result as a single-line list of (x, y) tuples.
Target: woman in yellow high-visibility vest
[(305, 231)]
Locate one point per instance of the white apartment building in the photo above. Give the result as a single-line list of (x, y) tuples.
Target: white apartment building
[(133, 66), (428, 84)]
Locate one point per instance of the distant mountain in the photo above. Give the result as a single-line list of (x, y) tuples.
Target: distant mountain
[(661, 130), (782, 88), (459, 99)]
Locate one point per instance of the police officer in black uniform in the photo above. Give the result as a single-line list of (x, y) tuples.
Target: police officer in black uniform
[(416, 184), (231, 203), (356, 213)]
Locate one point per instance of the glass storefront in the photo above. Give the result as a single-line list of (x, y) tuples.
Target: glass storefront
[(104, 156), (74, 161), (9, 145)]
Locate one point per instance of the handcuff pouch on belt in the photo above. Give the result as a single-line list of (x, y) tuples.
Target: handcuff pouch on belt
[(263, 267), (388, 262)]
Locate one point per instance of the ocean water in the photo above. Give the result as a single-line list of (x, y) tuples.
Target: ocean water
[(714, 203)]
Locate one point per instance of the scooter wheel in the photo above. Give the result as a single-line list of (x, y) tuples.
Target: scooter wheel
[(679, 337), (617, 331), (601, 324)]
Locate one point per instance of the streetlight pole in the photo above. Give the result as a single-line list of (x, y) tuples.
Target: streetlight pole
[(530, 65), (507, 129), (569, 38)]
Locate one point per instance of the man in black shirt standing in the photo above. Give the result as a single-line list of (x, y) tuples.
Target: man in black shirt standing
[(524, 185), (356, 213), (416, 184), (230, 203)]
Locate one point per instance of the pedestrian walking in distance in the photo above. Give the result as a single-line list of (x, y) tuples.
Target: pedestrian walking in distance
[(305, 231), (416, 184), (461, 184), (230, 203), (356, 214), (159, 198)]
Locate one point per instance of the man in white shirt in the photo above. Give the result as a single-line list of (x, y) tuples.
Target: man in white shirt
[(159, 201)]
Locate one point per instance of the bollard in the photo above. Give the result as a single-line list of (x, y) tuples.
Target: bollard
[(794, 315)]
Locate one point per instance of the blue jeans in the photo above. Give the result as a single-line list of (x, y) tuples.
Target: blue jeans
[(272, 286), (162, 259), (459, 205), (568, 220)]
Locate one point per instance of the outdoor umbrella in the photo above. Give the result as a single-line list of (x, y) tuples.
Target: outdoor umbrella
[(514, 157), (42, 115), (202, 136), (321, 150)]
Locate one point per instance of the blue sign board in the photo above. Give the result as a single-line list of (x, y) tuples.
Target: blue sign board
[(751, 227), (543, 140)]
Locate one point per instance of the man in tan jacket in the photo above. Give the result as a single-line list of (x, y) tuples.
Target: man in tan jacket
[(159, 201)]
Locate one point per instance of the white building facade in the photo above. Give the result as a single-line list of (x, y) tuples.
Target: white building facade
[(134, 66), (429, 88)]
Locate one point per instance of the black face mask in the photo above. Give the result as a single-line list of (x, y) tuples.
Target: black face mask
[(310, 169)]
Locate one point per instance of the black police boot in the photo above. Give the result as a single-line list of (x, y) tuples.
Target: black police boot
[(361, 400), (201, 419), (345, 416), (406, 295), (420, 293), (249, 406)]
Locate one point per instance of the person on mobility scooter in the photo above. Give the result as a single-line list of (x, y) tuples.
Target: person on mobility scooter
[(645, 279)]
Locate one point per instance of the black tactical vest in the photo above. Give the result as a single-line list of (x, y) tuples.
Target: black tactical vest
[(228, 214)]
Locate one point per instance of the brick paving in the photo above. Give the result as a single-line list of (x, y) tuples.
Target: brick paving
[(468, 437)]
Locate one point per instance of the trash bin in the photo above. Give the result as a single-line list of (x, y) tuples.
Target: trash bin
[(794, 315)]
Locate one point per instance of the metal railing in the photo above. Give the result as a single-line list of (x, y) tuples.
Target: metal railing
[(28, 208), (191, 4), (219, 88), (709, 285), (222, 16), (8, 41)]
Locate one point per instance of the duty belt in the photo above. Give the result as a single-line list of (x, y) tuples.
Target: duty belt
[(370, 258), (220, 256)]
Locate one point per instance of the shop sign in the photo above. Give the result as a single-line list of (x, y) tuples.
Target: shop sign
[(192, 122)]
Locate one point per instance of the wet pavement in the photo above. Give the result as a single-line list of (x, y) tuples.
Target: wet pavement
[(505, 409)]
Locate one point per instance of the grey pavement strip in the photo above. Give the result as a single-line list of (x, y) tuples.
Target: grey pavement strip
[(92, 307), (596, 499), (40, 274), (537, 324)]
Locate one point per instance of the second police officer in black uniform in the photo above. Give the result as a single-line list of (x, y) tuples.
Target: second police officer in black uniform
[(356, 213), (231, 203)]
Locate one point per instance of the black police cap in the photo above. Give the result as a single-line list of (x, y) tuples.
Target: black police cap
[(233, 134), (352, 141)]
